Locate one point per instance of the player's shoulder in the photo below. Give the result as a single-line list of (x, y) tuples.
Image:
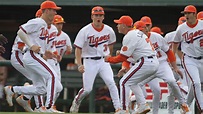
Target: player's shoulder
[(170, 33), (107, 26), (64, 34), (135, 32), (154, 34), (37, 21)]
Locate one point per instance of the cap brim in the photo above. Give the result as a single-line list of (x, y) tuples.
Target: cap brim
[(182, 12), (117, 21), (56, 8), (60, 22), (186, 11), (102, 13)]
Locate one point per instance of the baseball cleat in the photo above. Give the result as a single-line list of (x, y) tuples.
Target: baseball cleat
[(40, 109), (24, 103), (9, 95), (185, 108), (53, 110), (75, 107), (142, 109), (118, 111)]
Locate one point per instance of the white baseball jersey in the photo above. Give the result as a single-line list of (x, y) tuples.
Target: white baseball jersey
[(61, 42), (36, 29), (139, 48), (169, 37), (15, 44), (160, 45), (191, 39), (94, 43)]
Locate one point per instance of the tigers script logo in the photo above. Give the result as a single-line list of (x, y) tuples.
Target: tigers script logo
[(190, 37), (95, 41)]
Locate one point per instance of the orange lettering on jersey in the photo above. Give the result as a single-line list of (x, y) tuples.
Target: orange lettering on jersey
[(59, 43), (190, 37), (95, 41), (124, 48), (44, 34), (155, 45)]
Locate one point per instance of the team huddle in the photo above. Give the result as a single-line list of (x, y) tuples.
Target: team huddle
[(146, 57)]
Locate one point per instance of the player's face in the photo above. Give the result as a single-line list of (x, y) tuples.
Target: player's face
[(51, 13), (59, 26), (148, 27), (98, 18), (121, 28), (190, 17)]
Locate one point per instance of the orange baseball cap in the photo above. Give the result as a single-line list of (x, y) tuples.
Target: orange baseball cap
[(127, 20), (157, 30), (58, 19), (181, 20), (38, 13), (49, 5), (190, 9), (146, 20), (139, 25), (97, 10), (200, 15)]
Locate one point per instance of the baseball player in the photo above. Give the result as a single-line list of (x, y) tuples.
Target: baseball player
[(164, 71), (34, 34), (157, 30), (189, 34), (62, 42), (200, 15), (93, 42), (183, 83), (135, 45)]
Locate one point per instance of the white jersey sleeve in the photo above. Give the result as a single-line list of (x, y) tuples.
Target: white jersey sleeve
[(37, 32), (80, 38), (112, 36)]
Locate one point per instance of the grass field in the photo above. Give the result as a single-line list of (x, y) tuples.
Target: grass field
[(44, 113)]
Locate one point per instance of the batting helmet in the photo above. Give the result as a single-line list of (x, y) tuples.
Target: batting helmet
[(200, 15)]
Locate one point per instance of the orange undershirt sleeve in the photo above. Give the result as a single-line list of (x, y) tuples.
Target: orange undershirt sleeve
[(117, 59), (171, 56), (126, 64)]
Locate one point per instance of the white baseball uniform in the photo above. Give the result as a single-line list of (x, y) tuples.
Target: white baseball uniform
[(43, 76), (164, 71), (94, 45), (136, 45), (52, 30), (191, 39), (169, 37)]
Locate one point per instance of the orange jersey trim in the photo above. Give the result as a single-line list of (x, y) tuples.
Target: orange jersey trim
[(171, 56), (117, 59)]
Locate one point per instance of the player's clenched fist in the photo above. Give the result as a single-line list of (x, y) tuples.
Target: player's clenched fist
[(117, 52), (35, 48), (106, 58), (81, 68)]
